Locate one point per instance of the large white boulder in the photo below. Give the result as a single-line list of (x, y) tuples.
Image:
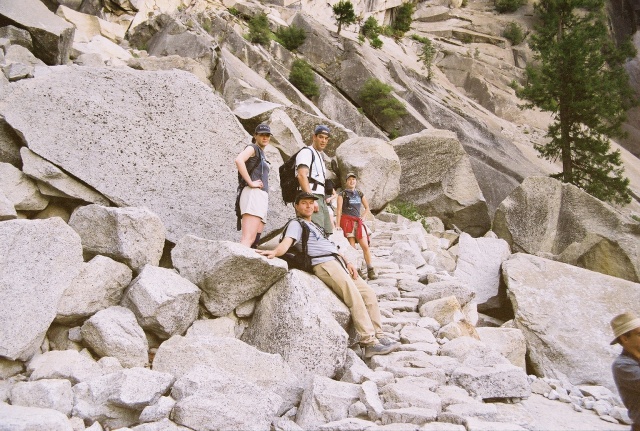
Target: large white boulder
[(546, 216), (326, 400), (52, 35), (294, 318), (228, 273), (99, 285), (133, 236), (376, 165), (163, 302), (210, 398), (115, 332), (64, 364), (478, 265), (438, 178), (38, 260), (20, 190), (55, 182), (497, 381), (553, 303), (20, 418), (179, 355), (53, 394), (92, 402), (172, 151)]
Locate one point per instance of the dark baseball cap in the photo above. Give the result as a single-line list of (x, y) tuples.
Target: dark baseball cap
[(305, 195), (263, 129), (322, 129)]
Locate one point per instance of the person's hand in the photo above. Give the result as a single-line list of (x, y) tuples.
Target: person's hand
[(256, 184), (269, 254), (316, 207), (352, 270)]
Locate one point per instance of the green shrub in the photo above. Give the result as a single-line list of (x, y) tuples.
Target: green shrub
[(370, 28), (259, 29), (508, 6), (427, 54), (513, 33), (233, 11), (343, 13), (402, 22), (291, 37), (302, 77), (407, 210), (379, 104), (376, 43)]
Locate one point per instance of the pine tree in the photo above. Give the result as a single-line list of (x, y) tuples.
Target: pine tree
[(344, 14), (579, 77)]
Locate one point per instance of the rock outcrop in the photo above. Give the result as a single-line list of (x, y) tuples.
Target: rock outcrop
[(546, 217), (438, 178), (554, 303)]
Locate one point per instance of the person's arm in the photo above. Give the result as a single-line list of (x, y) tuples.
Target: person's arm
[(338, 211), (628, 375), (365, 204), (279, 250), (241, 161), (303, 178), (350, 267)]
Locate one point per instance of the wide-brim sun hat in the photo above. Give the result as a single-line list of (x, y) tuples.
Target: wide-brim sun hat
[(623, 323)]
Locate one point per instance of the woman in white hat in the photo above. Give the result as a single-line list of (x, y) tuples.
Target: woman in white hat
[(626, 367), (252, 197)]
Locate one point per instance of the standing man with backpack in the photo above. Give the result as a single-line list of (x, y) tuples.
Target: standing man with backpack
[(341, 276), (312, 175)]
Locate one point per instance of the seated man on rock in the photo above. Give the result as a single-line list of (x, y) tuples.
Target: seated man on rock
[(342, 278)]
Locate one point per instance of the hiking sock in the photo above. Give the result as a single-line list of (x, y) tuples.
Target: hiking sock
[(255, 241)]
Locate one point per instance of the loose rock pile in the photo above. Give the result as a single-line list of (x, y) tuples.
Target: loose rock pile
[(265, 347)]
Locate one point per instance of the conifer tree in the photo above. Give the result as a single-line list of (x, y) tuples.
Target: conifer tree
[(579, 77), (344, 14)]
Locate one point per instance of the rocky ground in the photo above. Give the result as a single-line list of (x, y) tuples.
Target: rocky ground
[(456, 369)]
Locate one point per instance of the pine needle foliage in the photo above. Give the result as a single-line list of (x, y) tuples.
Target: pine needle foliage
[(427, 53), (259, 29), (343, 13), (302, 77), (579, 77), (378, 102), (402, 21), (291, 37)]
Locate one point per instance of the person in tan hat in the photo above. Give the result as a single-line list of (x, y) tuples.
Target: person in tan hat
[(626, 367)]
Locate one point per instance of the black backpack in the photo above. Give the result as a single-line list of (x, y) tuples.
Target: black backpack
[(288, 180), (301, 259)]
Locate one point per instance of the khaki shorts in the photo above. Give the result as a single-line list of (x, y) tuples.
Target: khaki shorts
[(255, 202), (354, 232)]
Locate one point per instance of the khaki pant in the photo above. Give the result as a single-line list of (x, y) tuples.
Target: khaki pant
[(358, 296), (322, 218)]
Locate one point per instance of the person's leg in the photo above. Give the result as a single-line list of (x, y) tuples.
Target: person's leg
[(321, 218), (364, 244), (333, 275), (251, 225), (352, 241), (370, 300)]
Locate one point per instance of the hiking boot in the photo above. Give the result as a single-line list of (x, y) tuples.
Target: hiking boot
[(371, 273), (386, 341), (362, 274), (380, 349)]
